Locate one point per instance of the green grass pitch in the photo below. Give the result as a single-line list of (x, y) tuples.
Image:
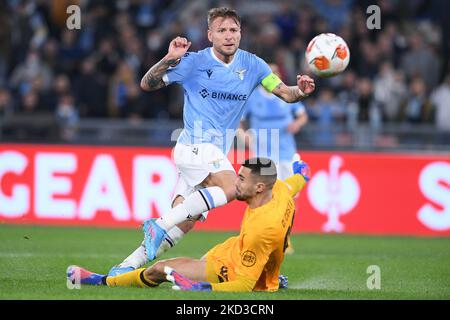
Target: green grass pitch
[(33, 262)]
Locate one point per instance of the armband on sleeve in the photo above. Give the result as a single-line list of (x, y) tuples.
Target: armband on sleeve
[(271, 82)]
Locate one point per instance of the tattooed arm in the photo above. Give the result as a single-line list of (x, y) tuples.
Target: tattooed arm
[(152, 80), (305, 86)]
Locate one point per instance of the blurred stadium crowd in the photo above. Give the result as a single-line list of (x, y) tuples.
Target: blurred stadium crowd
[(398, 74)]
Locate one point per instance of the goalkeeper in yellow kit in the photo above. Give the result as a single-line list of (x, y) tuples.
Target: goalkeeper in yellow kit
[(250, 261)]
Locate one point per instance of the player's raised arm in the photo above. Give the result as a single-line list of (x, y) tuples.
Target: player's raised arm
[(302, 174), (152, 80), (305, 86)]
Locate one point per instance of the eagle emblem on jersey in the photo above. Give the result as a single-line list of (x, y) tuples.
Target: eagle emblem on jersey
[(216, 163), (240, 73)]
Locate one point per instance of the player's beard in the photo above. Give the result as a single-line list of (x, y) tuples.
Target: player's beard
[(230, 52), (227, 53), (241, 196)]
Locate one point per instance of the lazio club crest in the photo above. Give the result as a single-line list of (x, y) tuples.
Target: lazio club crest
[(240, 73)]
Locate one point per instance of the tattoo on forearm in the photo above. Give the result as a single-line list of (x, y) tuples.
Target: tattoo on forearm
[(295, 94), (279, 86), (152, 80), (289, 94)]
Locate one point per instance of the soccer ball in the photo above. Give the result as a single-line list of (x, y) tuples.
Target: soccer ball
[(327, 55)]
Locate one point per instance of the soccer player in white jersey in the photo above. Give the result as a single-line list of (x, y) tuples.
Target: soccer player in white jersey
[(217, 82)]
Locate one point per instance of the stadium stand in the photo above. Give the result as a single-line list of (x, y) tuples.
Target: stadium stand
[(78, 86)]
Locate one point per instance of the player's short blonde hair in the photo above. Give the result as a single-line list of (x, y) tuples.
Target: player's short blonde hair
[(223, 12)]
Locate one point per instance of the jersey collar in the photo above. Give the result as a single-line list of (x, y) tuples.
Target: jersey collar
[(217, 59)]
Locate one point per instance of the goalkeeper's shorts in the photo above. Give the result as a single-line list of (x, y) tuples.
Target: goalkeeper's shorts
[(217, 271)]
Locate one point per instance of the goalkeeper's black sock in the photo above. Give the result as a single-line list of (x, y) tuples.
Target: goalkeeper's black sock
[(148, 282)]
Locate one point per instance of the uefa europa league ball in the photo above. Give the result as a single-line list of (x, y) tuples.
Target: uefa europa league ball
[(327, 55)]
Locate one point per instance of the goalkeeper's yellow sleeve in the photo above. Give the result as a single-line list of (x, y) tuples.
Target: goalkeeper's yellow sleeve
[(241, 284), (295, 183)]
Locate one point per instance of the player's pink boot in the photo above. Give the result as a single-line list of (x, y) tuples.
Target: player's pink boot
[(76, 274)]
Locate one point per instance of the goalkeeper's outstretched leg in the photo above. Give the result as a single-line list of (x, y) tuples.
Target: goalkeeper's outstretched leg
[(193, 270), (138, 258)]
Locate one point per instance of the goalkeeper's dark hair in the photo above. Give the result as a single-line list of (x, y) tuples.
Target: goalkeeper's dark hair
[(262, 169)]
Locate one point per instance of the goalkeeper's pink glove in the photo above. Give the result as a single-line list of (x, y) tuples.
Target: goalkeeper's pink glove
[(182, 283)]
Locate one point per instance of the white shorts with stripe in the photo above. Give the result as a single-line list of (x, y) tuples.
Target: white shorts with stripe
[(194, 163)]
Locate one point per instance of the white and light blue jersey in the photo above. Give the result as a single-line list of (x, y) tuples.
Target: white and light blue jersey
[(269, 117), (215, 94)]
